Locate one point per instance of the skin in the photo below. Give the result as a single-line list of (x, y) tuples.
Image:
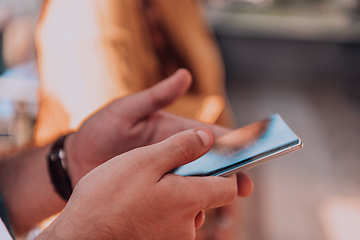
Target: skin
[(125, 124), (142, 200)]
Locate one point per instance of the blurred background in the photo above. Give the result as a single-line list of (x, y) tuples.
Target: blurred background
[(298, 58)]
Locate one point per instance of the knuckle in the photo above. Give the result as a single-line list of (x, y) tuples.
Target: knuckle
[(225, 195), (186, 148)]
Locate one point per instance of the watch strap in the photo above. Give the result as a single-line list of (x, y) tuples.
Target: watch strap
[(59, 176)]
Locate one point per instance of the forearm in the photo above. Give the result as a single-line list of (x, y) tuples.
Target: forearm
[(27, 189)]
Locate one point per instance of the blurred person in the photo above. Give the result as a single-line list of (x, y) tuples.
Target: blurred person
[(131, 196)]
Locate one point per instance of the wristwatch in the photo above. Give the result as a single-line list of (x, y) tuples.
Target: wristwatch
[(59, 176)]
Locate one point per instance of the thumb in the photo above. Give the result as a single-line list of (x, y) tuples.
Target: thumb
[(162, 94), (177, 150)]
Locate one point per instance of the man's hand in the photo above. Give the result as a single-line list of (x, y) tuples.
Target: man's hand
[(133, 196), (128, 123), (125, 124)]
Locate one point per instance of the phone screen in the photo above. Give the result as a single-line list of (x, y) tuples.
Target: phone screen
[(244, 148)]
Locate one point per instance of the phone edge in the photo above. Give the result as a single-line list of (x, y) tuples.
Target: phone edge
[(259, 161)]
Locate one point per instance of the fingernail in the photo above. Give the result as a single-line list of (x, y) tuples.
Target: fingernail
[(205, 138)]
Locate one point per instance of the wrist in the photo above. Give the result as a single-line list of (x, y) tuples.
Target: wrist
[(75, 164), (73, 225), (71, 162)]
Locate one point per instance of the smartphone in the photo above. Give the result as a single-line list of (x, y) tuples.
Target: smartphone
[(245, 148)]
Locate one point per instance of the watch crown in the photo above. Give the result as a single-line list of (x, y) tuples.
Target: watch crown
[(61, 154), (56, 155)]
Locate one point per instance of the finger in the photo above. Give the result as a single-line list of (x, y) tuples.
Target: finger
[(212, 192), (245, 185), (162, 94), (178, 150), (199, 219)]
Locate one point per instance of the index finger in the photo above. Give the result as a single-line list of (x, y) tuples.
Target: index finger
[(205, 192), (214, 191)]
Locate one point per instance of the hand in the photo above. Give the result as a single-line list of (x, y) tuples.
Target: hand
[(132, 196), (128, 123)]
